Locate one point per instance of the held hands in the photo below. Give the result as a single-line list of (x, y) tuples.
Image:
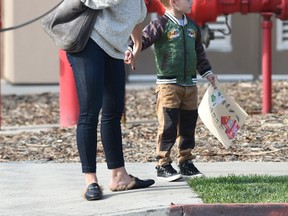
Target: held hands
[(131, 56), (128, 57), (136, 36)]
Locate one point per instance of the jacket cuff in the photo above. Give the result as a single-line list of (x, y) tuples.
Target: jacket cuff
[(207, 73), (130, 48)]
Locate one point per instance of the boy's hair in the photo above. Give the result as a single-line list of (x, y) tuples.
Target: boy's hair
[(165, 3)]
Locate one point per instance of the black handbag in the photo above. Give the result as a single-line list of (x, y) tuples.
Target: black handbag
[(69, 25)]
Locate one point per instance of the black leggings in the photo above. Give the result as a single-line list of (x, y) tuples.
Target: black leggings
[(100, 84)]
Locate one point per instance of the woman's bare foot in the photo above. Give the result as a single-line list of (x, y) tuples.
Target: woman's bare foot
[(120, 178)]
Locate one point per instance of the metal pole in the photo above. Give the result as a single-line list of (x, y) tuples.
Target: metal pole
[(266, 62)]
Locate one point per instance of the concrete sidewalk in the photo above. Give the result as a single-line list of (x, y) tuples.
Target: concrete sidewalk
[(55, 189)]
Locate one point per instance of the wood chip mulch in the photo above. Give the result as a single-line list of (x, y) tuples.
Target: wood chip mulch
[(263, 137)]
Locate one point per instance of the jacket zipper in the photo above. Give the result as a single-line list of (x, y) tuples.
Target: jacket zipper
[(184, 44)]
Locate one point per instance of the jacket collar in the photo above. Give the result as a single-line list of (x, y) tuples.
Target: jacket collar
[(174, 19)]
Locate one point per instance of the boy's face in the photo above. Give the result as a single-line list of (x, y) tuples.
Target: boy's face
[(183, 6)]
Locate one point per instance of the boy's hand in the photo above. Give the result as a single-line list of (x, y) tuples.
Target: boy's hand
[(211, 78)]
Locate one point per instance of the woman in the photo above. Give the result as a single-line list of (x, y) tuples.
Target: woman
[(100, 81)]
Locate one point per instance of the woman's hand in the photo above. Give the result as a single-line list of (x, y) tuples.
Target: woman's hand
[(128, 56), (137, 47)]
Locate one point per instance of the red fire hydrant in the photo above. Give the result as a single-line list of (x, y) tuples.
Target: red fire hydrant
[(69, 107)]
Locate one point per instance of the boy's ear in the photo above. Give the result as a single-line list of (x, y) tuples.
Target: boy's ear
[(172, 2)]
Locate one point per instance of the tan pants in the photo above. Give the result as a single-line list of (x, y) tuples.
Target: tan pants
[(177, 113)]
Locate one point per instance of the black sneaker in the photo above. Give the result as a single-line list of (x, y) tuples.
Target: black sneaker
[(187, 168), (167, 173)]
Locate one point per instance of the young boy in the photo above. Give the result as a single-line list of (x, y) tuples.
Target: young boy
[(179, 55)]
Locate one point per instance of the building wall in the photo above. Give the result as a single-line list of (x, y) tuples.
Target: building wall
[(28, 54), (246, 54), (244, 58), (279, 56)]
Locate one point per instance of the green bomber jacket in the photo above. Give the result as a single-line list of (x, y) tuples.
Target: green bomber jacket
[(178, 49)]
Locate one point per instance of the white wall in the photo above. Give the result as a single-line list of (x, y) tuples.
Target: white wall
[(29, 57)]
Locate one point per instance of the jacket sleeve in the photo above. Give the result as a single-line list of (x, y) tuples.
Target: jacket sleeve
[(150, 34), (203, 65), (100, 4)]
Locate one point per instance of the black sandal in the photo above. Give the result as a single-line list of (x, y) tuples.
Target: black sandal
[(93, 192), (135, 184)]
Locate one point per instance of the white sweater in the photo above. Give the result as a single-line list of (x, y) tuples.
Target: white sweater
[(115, 22)]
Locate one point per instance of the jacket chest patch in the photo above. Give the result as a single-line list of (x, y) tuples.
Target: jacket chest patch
[(191, 33), (172, 34)]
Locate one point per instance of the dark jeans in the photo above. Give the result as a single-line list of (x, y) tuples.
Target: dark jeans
[(100, 83)]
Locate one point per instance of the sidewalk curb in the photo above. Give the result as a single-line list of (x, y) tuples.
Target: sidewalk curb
[(237, 209), (9, 130)]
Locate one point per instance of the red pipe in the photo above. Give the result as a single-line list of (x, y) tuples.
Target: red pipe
[(215, 8), (69, 108), (208, 10), (266, 62)]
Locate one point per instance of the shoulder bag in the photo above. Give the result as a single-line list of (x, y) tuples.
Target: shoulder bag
[(69, 25)]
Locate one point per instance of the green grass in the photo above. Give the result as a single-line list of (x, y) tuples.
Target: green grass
[(241, 189)]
